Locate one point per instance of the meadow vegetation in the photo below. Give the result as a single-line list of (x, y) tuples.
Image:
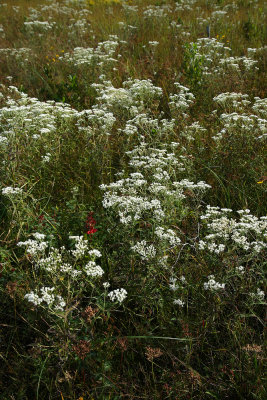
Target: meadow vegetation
[(132, 199)]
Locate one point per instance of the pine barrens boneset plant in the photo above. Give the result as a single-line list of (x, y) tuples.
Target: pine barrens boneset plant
[(151, 197), (131, 150), (63, 269)]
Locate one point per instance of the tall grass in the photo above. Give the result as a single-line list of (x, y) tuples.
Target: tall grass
[(132, 199)]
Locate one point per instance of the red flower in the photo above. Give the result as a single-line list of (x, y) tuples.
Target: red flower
[(91, 231), (90, 224)]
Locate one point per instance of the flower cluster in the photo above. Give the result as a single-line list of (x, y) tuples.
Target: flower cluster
[(150, 196), (259, 294), (39, 26), (133, 197), (90, 224), (190, 132), (35, 247), (28, 117), (134, 97), (214, 58), (145, 251), (93, 270), (229, 234), (101, 56), (242, 117), (156, 11), (60, 262), (232, 101), (167, 235), (81, 246), (61, 265), (184, 5), (213, 285), (11, 192), (2, 32), (118, 295), (55, 302), (21, 54), (180, 102)]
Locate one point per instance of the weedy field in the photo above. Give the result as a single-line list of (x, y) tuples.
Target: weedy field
[(132, 199)]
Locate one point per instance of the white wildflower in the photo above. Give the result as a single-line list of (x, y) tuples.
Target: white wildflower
[(146, 251), (213, 285), (118, 295), (11, 191), (93, 270), (179, 302)]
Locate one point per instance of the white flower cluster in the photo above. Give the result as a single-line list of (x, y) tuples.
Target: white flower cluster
[(260, 106), (237, 64), (142, 125), (39, 26), (134, 197), (101, 56), (232, 101), (179, 302), (12, 191), (129, 9), (148, 159), (239, 122), (57, 267), (156, 11), (35, 248), (131, 208), (3, 139), (79, 27), (214, 58), (106, 285), (167, 235), (174, 287), (30, 118), (118, 295), (240, 269), (180, 102), (254, 52), (218, 14), (259, 294), (209, 51), (186, 184), (113, 99), (81, 246), (26, 117), (153, 44), (46, 157), (184, 5), (247, 234), (60, 262), (147, 252), (143, 91), (134, 97), (2, 32), (190, 132), (94, 253), (56, 302), (213, 285), (93, 270), (144, 196), (21, 54), (96, 121), (54, 262)]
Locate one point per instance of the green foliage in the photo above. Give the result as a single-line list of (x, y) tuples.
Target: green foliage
[(193, 65)]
